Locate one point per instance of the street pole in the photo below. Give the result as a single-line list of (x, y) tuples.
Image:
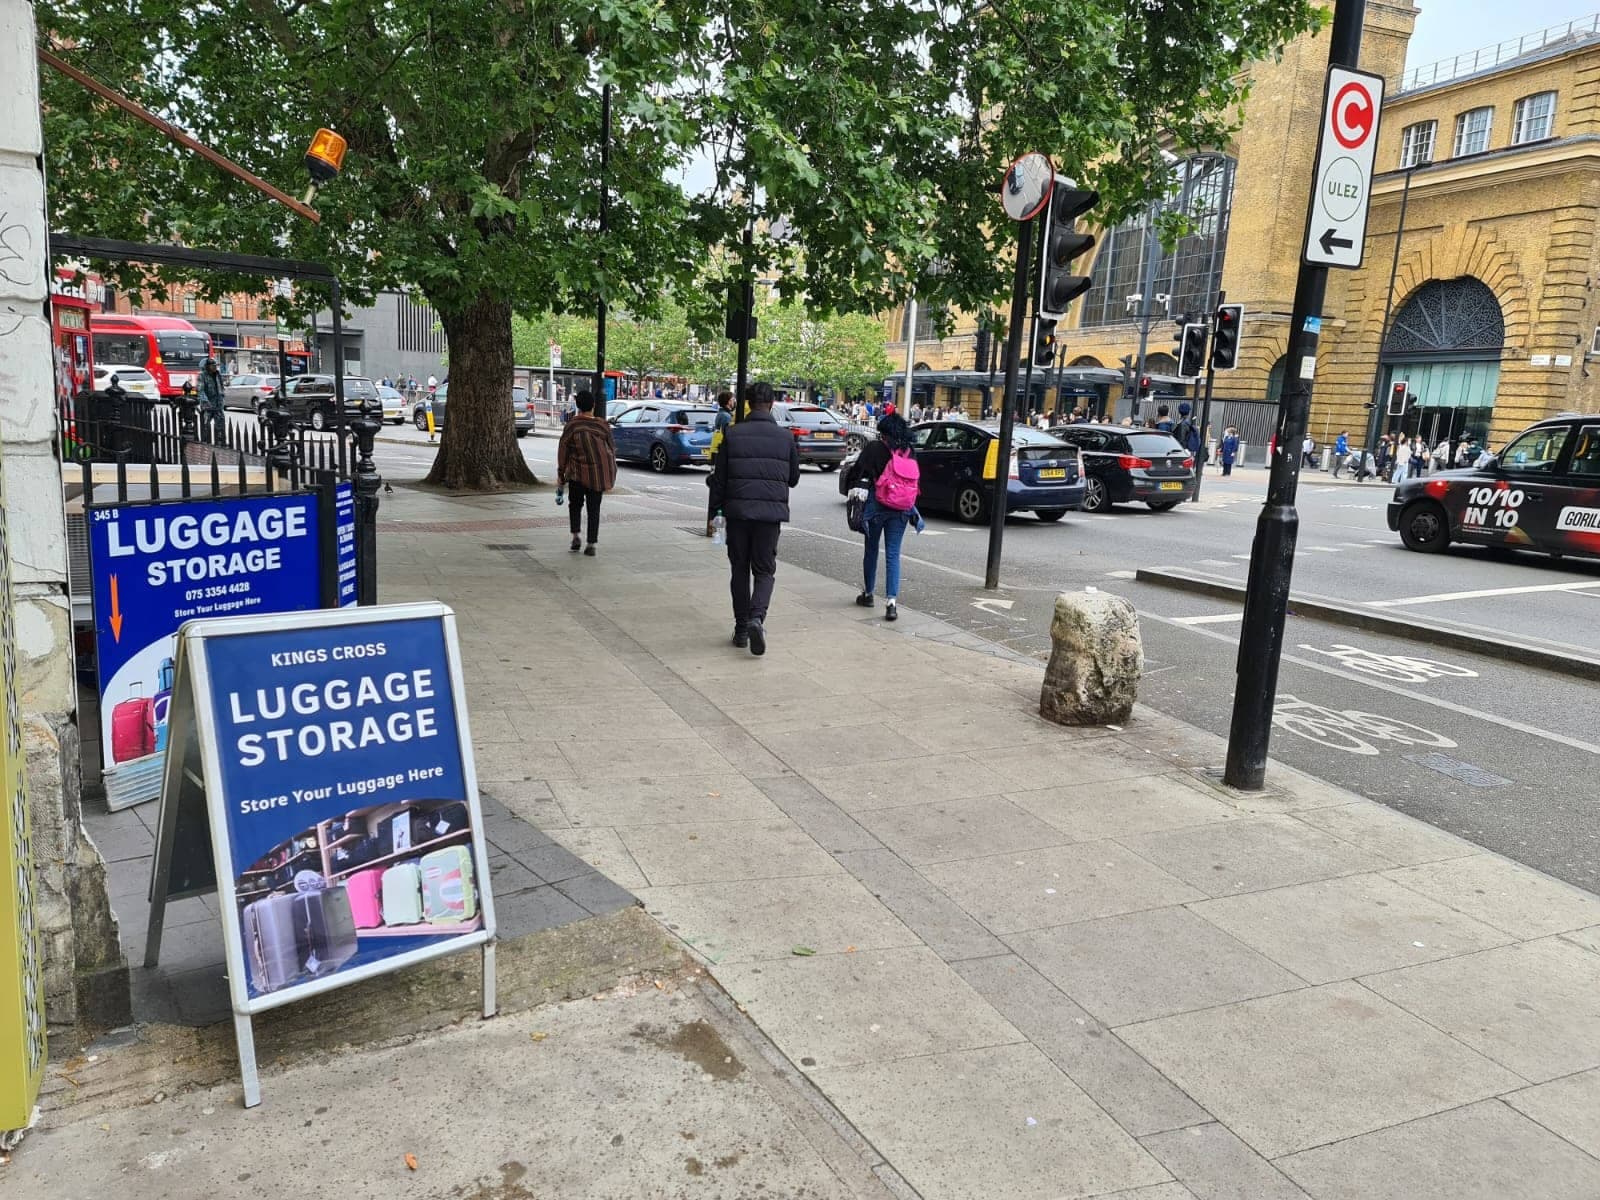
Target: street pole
[(1388, 307), (1019, 308), (747, 303), (605, 214), (1272, 555), (1205, 408), (911, 352)]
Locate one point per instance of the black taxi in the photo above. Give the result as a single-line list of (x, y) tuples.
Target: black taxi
[(1541, 493)]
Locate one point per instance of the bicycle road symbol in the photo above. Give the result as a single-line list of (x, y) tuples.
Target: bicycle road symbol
[(1397, 668), (1349, 730)]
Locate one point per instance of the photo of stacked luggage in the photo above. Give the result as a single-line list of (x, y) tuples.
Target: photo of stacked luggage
[(391, 870)]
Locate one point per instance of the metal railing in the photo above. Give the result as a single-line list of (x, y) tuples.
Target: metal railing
[(1472, 61)]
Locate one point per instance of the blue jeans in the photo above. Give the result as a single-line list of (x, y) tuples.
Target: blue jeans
[(890, 525)]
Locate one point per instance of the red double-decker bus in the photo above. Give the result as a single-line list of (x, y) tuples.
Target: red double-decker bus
[(170, 348)]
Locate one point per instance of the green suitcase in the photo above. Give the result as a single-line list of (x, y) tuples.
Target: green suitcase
[(448, 895)]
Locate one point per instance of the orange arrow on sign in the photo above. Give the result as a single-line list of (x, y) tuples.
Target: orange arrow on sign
[(116, 612)]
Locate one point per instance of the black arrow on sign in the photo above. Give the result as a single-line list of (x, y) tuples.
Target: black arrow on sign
[(1327, 241)]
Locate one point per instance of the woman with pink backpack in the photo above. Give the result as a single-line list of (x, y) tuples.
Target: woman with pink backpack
[(887, 476)]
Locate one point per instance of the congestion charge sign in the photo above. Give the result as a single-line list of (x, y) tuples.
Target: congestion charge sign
[(158, 565), (1336, 228)]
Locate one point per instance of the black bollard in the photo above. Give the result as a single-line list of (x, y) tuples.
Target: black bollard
[(367, 483)]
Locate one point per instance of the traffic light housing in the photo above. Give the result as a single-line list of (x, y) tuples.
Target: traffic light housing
[(1044, 343), (1225, 338), (1399, 393), (1058, 286), (740, 324), (1192, 351), (980, 354)]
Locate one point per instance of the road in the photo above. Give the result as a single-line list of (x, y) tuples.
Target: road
[(1498, 753)]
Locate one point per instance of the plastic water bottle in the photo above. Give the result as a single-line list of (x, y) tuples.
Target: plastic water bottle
[(561, 494), (719, 529)]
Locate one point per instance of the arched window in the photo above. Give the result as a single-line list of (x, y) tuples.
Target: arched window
[(1191, 273), (1085, 360), (1448, 316), (1275, 378)]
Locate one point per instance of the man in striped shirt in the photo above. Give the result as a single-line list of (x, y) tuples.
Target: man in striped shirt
[(586, 463)]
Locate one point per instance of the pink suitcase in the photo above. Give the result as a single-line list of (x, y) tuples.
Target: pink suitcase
[(366, 897)]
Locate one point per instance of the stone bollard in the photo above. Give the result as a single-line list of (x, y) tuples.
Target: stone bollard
[(1095, 660)]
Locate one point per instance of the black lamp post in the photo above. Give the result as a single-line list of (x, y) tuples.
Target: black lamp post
[(1374, 422)]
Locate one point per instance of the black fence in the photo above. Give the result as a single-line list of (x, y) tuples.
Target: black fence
[(214, 457)]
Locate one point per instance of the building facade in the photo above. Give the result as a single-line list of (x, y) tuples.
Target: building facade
[(1492, 321)]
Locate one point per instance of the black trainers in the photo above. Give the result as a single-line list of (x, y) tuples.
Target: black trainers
[(864, 599), (741, 636), (758, 638), (576, 544), (891, 611), (589, 550)]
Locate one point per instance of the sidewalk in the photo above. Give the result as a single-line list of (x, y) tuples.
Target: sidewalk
[(1021, 961)]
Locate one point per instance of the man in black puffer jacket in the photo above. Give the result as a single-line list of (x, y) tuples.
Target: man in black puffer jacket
[(755, 468)]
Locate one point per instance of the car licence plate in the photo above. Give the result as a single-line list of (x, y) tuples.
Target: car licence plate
[(1053, 473), (823, 436), (1172, 487)]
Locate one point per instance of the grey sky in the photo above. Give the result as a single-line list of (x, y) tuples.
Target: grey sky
[(1449, 27)]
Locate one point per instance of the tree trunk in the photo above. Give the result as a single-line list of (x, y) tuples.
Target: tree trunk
[(479, 450)]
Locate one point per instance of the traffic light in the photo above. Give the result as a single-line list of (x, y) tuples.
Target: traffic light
[(1399, 393), (1058, 286), (1192, 350), (1225, 339), (980, 355), (1044, 343), (737, 316)]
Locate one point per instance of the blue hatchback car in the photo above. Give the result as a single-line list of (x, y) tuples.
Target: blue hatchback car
[(664, 435)]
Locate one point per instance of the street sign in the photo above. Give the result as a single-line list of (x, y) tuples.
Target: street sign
[(321, 782), (1336, 227), (555, 354), (1026, 187)]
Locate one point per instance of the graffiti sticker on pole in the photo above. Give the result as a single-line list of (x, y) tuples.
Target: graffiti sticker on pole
[(1341, 187)]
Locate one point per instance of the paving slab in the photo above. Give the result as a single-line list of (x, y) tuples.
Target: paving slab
[(735, 922), (865, 1006), (1480, 1152), (1501, 893), (1533, 1007), (1036, 889), (707, 851), (1340, 928), (1251, 855), (1569, 1106), (1125, 807), (956, 1124), (1392, 835), (1215, 1165), (646, 800), (949, 829), (1073, 758), (1142, 965), (624, 757), (920, 780), (1299, 1069), (942, 924)]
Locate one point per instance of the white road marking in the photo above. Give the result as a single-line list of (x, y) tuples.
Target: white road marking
[(1483, 593), (1241, 557), (856, 541), (1321, 549), (1214, 562), (1122, 574), (1214, 619)]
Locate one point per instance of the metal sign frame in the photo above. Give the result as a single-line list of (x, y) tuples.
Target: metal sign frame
[(192, 714), (1332, 240)]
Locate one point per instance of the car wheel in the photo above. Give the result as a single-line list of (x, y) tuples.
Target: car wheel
[(255, 406), (1162, 505), (1049, 514), (855, 443), (420, 420), (1095, 497), (659, 463), (827, 466), (522, 433), (319, 419), (1424, 527), (970, 505)]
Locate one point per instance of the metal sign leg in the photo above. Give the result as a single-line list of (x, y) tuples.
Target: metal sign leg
[(244, 1034), (490, 1004)]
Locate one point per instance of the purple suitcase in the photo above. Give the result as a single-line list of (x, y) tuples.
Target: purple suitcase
[(325, 930), (270, 945)]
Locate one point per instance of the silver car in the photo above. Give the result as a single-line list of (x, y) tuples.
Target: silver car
[(249, 392)]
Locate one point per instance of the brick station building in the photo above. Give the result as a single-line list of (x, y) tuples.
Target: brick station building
[(1495, 320)]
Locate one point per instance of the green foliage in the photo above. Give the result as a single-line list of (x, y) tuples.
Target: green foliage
[(826, 354)]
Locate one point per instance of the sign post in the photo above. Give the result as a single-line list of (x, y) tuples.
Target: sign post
[(1335, 236), (321, 781), (555, 361)]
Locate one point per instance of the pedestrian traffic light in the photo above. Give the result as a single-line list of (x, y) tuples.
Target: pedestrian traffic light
[(1058, 286), (1399, 392), (980, 355), (1225, 337), (1192, 350), (1044, 343)]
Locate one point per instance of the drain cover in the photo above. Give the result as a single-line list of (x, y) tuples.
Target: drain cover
[(507, 546), (1461, 772)]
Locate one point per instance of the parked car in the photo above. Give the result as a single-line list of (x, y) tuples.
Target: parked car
[(394, 404), (1122, 464), (309, 398), (1541, 493), (1045, 477), (136, 381), (666, 436), (249, 392), (522, 413), (821, 437)]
